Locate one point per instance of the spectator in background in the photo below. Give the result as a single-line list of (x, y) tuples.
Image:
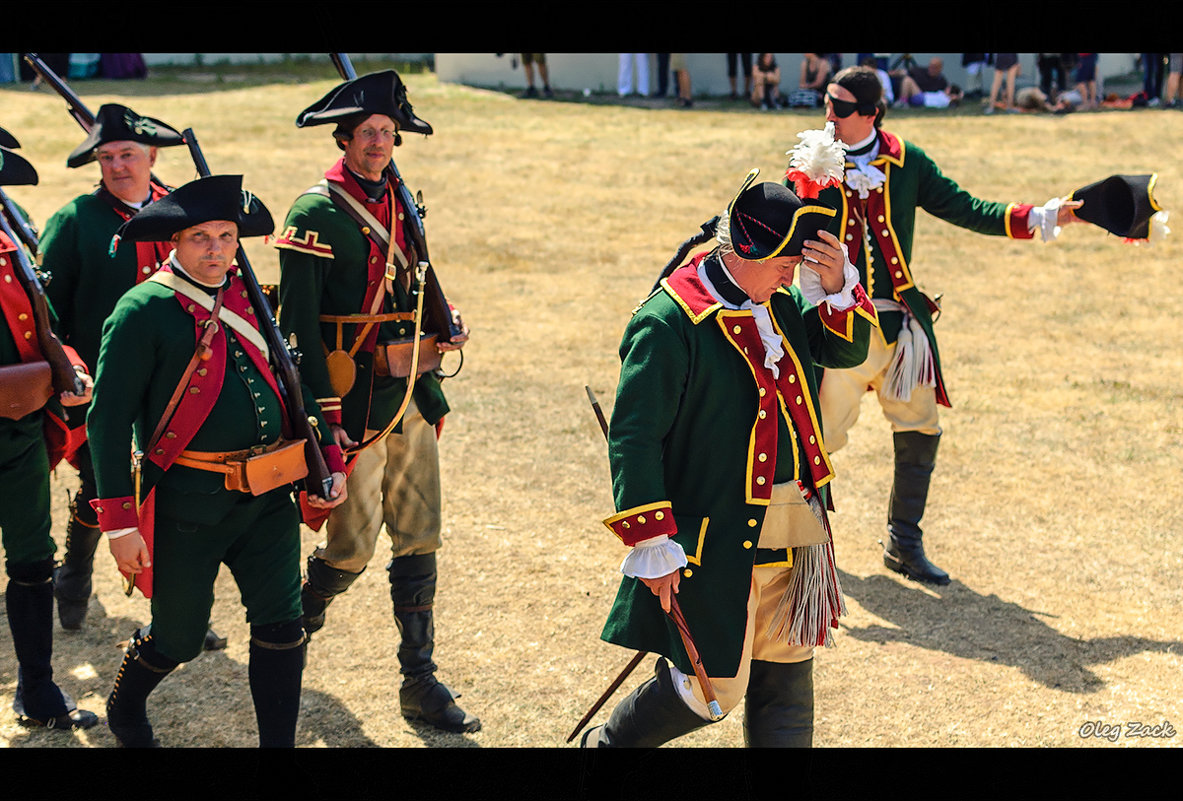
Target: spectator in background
[(1086, 80), (1152, 71), (1006, 67), (975, 66), (624, 76), (1032, 98), (122, 65), (745, 61), (682, 79), (766, 83), (1171, 96), (930, 79), (1053, 71), (663, 75), (912, 95), (528, 62), (873, 63), (815, 74)]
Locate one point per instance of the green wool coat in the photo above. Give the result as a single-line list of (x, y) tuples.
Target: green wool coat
[(323, 270), (147, 342), (912, 181), (686, 432)]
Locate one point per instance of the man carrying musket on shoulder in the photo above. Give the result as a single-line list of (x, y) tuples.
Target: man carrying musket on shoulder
[(27, 403), (348, 294), (85, 281), (721, 476), (183, 362)]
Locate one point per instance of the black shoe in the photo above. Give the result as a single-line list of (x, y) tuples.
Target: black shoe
[(530, 92), (429, 700), (909, 560), (142, 669), (74, 719), (213, 642)]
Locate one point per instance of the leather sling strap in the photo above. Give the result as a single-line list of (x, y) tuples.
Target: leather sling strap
[(207, 336), (241, 326)]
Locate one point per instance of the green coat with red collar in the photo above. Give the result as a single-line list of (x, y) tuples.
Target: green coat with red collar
[(912, 181), (327, 266), (700, 432)]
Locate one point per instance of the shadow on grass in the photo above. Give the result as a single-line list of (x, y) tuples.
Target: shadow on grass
[(963, 623)]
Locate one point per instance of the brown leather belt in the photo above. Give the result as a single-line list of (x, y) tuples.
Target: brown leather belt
[(255, 470)]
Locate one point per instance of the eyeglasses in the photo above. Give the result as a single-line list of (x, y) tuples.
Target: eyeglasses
[(842, 108)]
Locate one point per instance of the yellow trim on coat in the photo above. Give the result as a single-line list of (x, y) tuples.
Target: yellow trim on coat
[(310, 244), (636, 510), (702, 535), (807, 399), (696, 319), (747, 487)]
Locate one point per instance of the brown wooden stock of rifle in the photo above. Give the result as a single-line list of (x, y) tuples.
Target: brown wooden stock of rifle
[(437, 315), (65, 377), (319, 480)]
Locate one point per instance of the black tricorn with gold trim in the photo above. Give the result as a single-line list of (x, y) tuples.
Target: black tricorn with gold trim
[(767, 220), (117, 123), (1121, 204)]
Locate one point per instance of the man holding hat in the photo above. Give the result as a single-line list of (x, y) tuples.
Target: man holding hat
[(348, 295), (26, 398), (215, 486), (85, 282), (886, 180), (721, 475)]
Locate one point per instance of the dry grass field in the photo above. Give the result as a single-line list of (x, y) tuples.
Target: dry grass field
[(1055, 505)]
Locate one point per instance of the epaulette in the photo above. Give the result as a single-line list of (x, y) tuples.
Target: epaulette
[(637, 308)]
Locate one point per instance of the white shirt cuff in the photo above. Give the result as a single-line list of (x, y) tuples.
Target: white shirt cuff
[(653, 558), (811, 286), (115, 534), (1044, 218)]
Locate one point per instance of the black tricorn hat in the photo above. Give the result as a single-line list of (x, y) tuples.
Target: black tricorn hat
[(116, 123), (8, 140), (15, 170), (1121, 204), (218, 197), (373, 93), (767, 220)]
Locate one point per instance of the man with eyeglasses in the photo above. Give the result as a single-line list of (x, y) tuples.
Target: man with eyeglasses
[(886, 180), (347, 293)]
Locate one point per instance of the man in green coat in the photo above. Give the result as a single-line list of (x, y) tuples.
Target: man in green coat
[(346, 290), (886, 180), (218, 461), (721, 475), (85, 282), (24, 483)]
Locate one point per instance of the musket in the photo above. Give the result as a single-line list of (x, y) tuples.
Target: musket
[(706, 231), (319, 480), (675, 613), (438, 316), (65, 377)]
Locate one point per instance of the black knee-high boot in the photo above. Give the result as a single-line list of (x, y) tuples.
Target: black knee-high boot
[(650, 715), (29, 604), (72, 580), (422, 696), (322, 584), (276, 672), (778, 708), (143, 668), (915, 458)]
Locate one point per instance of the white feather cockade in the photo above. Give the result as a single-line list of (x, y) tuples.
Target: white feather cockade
[(818, 160)]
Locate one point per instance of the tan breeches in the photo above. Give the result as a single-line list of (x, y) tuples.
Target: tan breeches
[(842, 391), (768, 586), (396, 482)]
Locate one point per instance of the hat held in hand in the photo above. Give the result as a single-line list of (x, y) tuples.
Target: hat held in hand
[(767, 220), (1123, 205)]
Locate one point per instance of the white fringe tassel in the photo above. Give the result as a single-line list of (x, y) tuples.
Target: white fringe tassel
[(809, 610), (912, 365)]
